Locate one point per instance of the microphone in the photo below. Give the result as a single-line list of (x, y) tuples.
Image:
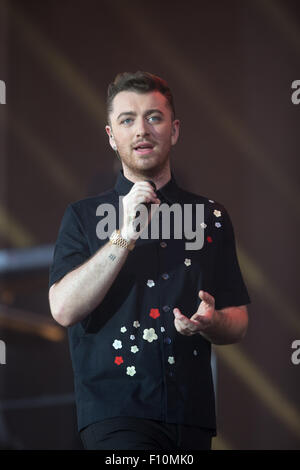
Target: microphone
[(152, 184), (148, 204)]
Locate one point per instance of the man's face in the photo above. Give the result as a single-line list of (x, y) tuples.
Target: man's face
[(143, 130)]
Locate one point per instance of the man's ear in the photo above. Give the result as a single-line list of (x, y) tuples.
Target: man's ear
[(175, 131), (108, 130), (111, 137)]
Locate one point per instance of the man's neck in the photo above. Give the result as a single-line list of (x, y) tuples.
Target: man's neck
[(160, 179)]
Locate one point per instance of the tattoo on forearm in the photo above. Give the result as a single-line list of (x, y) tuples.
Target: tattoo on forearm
[(112, 257)]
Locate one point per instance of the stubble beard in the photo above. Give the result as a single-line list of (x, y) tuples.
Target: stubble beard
[(146, 171)]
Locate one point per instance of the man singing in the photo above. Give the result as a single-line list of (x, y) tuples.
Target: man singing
[(142, 312)]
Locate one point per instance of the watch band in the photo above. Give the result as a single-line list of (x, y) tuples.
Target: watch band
[(117, 239)]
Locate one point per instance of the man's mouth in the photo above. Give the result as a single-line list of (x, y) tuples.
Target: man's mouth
[(144, 148)]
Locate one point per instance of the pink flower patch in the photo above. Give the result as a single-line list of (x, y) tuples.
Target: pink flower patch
[(119, 360), (154, 313)]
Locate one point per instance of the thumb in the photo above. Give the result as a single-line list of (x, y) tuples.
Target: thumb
[(206, 297), (176, 312)]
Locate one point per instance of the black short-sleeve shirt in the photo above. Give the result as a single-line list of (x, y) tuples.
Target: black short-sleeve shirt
[(128, 359)]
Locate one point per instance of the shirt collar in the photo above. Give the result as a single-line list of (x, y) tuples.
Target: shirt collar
[(170, 191)]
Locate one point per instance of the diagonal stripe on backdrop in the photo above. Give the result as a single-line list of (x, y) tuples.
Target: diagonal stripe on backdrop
[(197, 87)]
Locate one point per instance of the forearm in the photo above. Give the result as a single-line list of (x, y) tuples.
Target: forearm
[(229, 326), (79, 292)]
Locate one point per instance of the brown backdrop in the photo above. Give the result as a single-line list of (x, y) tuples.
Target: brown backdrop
[(230, 65)]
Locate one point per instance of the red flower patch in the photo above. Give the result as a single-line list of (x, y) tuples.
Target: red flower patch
[(154, 313), (119, 360), (209, 239)]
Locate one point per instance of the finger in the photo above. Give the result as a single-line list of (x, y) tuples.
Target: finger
[(146, 196), (142, 185), (186, 327), (201, 319), (206, 297), (184, 323), (178, 314), (140, 191)]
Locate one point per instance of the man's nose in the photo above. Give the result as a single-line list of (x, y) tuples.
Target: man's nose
[(142, 128)]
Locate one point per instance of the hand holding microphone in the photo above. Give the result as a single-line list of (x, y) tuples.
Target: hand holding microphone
[(142, 192)]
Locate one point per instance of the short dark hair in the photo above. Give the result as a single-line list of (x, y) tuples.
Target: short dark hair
[(140, 82)]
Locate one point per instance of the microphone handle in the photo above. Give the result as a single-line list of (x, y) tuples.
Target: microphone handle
[(148, 204)]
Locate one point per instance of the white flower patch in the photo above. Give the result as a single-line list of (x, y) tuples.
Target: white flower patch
[(217, 224), (131, 371), (132, 337), (150, 335), (136, 324), (187, 262), (171, 360), (203, 225), (134, 349), (217, 213), (123, 329), (117, 344), (162, 329), (195, 352), (150, 283)]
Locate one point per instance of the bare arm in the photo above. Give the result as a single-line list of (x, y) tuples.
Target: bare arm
[(80, 291), (225, 326)]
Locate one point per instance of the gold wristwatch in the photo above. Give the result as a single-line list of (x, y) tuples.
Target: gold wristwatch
[(117, 239)]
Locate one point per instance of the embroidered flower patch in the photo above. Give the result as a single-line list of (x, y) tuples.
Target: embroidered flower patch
[(117, 344), (123, 329), (154, 313), (132, 337), (131, 371), (171, 360), (162, 329), (187, 262), (203, 225), (136, 324), (134, 349), (119, 360), (209, 239), (150, 283), (217, 213), (150, 335), (217, 224)]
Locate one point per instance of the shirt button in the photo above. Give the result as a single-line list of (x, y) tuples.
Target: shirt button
[(168, 340), (163, 244), (166, 308), (165, 276)]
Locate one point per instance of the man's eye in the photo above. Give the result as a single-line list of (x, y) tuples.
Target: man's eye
[(126, 121), (154, 118)]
